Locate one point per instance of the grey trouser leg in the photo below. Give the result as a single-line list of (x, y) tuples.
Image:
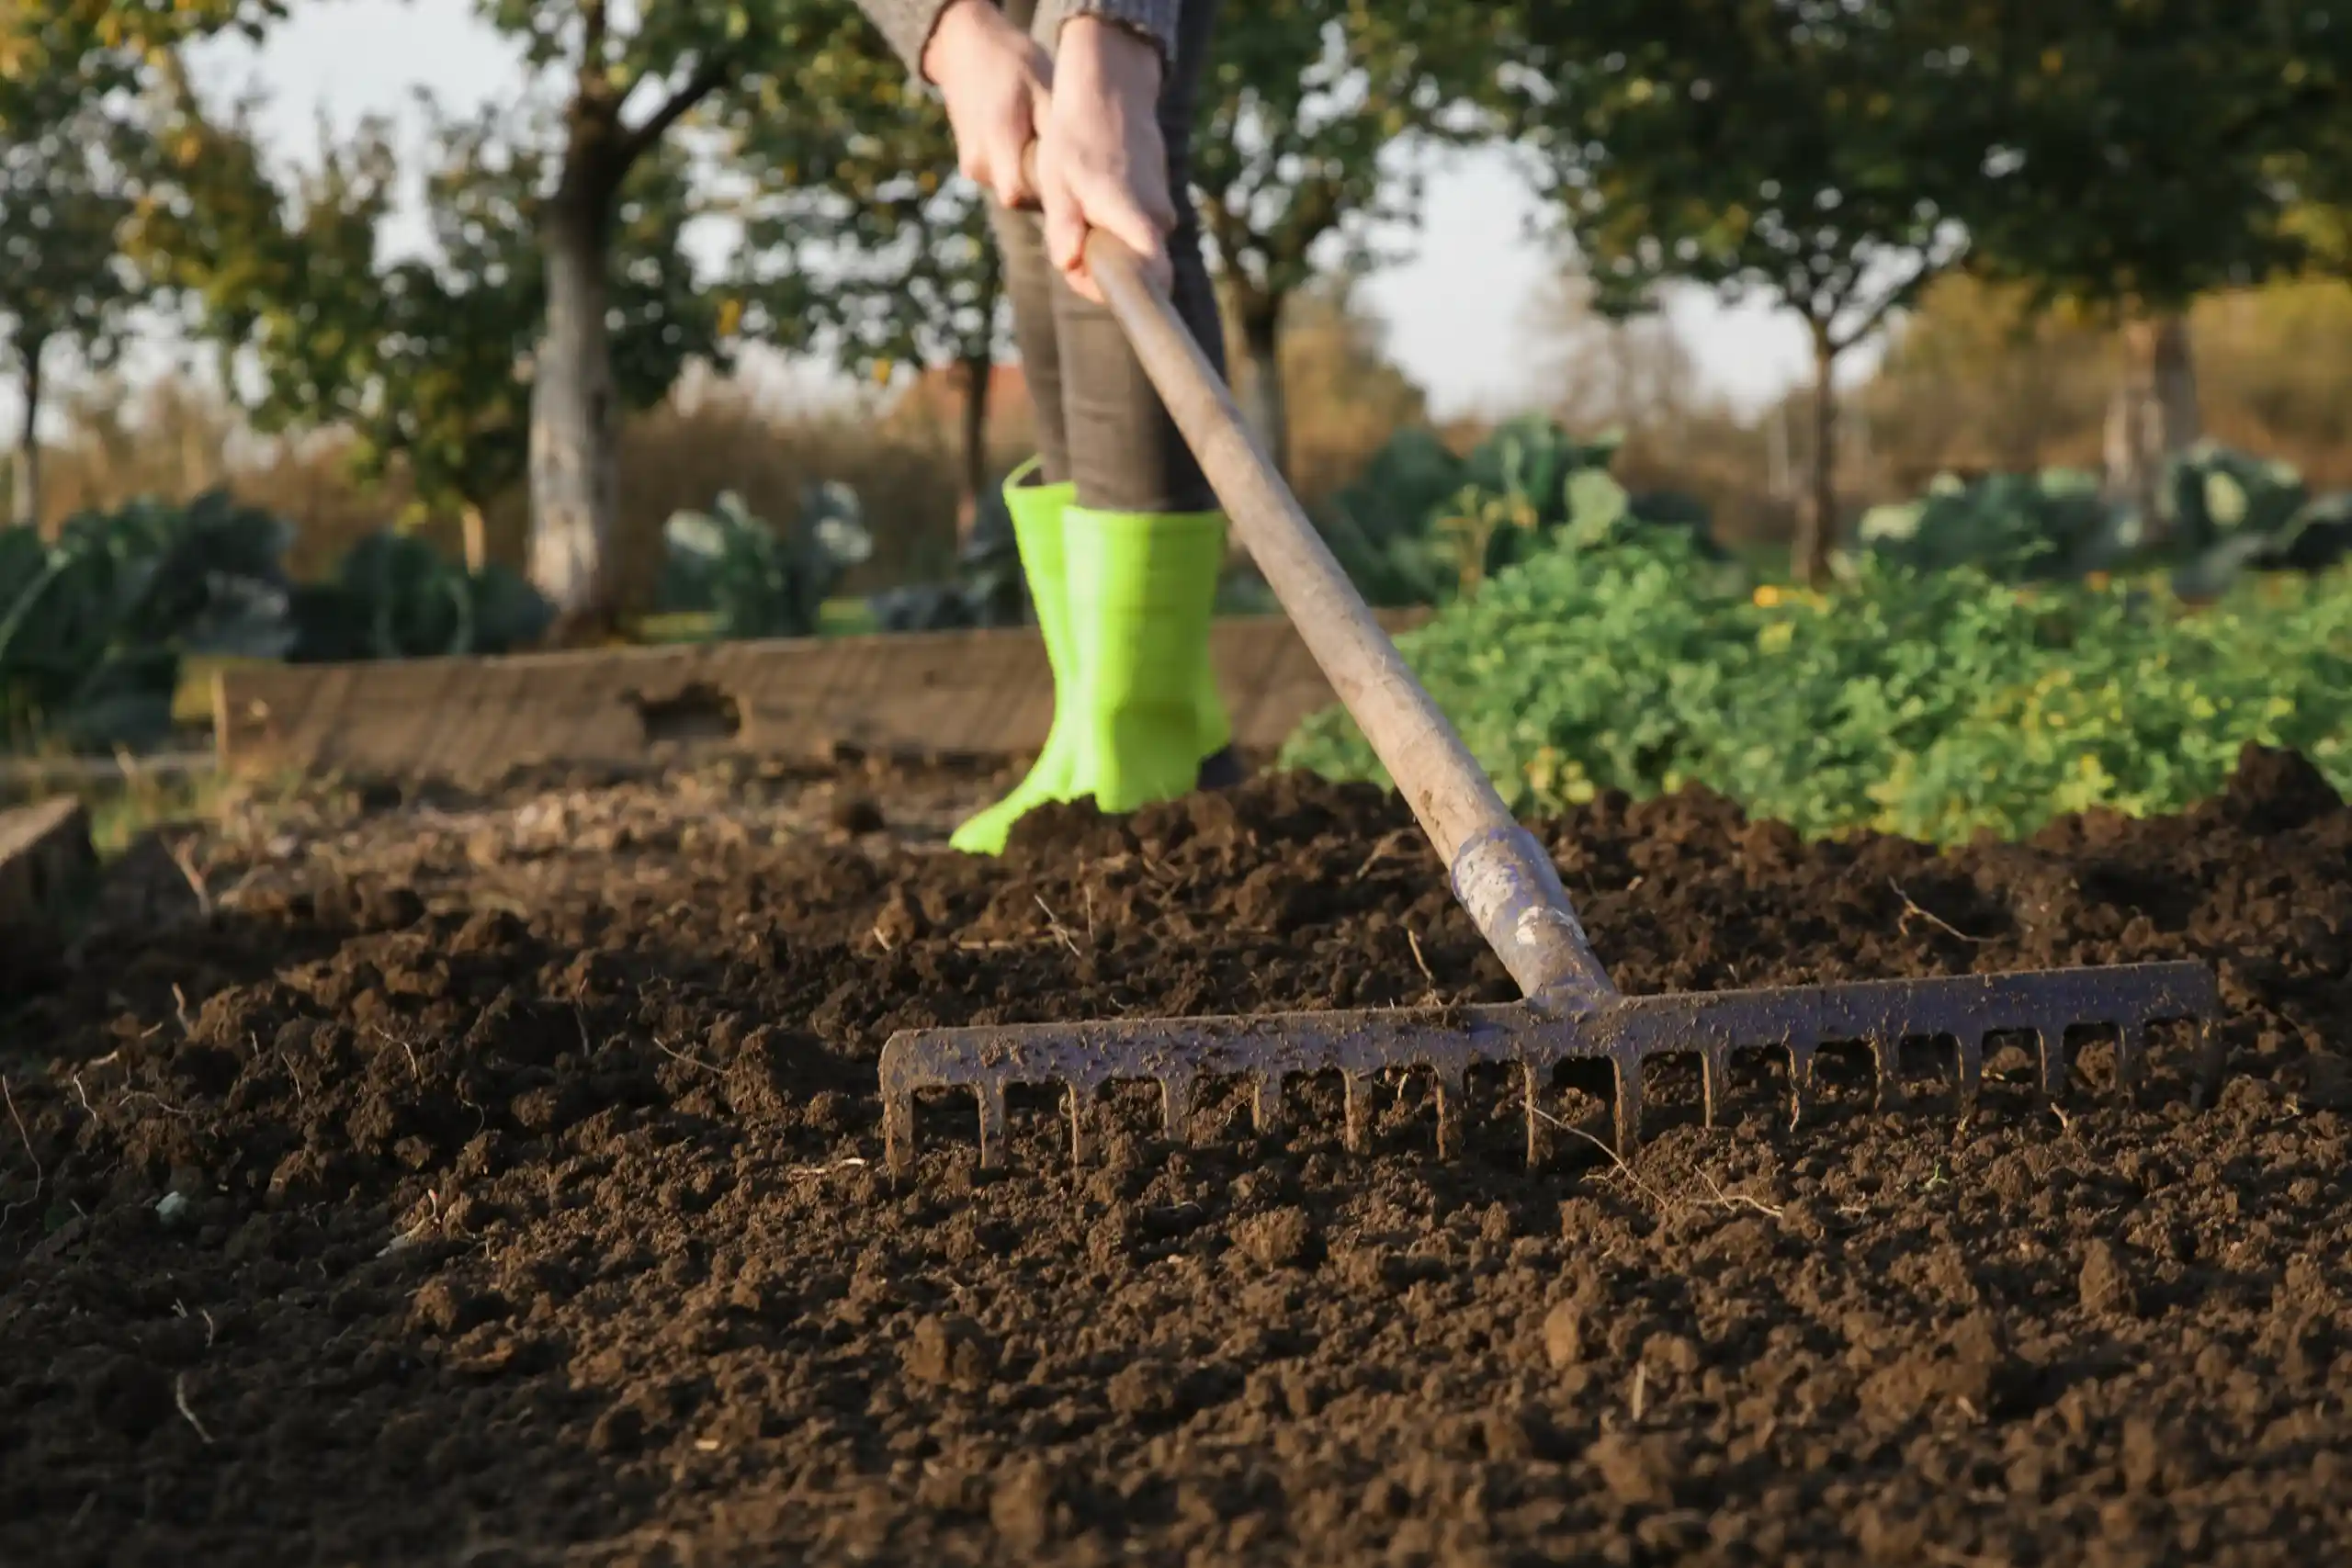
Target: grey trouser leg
[(1099, 423)]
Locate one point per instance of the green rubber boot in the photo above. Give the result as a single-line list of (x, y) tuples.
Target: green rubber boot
[(1142, 591), (1037, 512)]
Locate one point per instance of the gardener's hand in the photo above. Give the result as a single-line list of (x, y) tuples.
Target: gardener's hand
[(1101, 163), (994, 79)]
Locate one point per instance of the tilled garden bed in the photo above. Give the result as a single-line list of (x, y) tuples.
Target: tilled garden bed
[(498, 1180)]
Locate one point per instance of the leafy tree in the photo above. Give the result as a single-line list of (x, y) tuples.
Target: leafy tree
[(426, 360), (67, 171), (2142, 146), (1812, 153), (859, 240), (629, 77), (101, 41), (1301, 100), (2316, 170), (1352, 398)]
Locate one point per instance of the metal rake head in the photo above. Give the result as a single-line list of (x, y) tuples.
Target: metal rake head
[(1181, 1054)]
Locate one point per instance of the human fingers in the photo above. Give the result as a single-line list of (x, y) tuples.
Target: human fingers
[(1133, 217)]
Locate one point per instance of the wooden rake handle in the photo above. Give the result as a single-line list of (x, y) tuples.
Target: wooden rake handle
[(1505, 880)]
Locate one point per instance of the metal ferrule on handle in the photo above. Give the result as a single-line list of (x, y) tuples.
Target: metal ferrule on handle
[(1500, 872)]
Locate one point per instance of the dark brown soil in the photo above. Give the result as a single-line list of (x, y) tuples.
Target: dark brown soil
[(497, 1183)]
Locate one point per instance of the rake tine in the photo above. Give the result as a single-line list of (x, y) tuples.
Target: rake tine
[(1968, 1051), (1629, 1103), (2052, 1033), (1452, 1089), (993, 1133), (1714, 1075), (1801, 1054), (1358, 1090), (1886, 1050), (1266, 1104), (1079, 1109), (899, 1128), (1176, 1091), (2130, 1059), (1539, 1142)]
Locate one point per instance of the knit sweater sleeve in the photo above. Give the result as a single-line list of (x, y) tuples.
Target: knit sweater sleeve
[(908, 24), (1156, 19)]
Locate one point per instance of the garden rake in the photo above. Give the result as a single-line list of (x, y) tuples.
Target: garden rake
[(1505, 880)]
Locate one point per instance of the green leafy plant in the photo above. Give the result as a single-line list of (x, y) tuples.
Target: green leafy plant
[(394, 596), (1930, 704), (2219, 514), (2053, 523), (92, 627), (756, 581), (987, 589), (1421, 525), (2231, 512)]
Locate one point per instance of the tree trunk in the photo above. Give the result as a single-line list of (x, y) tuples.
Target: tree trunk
[(1776, 452), (1817, 522), (2153, 413), (977, 379), (1267, 408), (575, 461), (27, 497), (477, 536)]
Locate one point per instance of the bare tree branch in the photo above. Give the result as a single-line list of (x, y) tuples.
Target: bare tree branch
[(707, 78)]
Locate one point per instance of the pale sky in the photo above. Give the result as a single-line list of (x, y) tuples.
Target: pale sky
[(1456, 312)]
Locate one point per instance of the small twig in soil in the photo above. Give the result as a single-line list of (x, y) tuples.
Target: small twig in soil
[(1387, 846), (807, 1172), (408, 1237), (211, 1328), (1054, 924), (1740, 1200), (1721, 1199), (179, 1005), (186, 860), (1614, 1158), (1431, 997), (158, 1101), (1640, 1401), (414, 1071), (286, 1063), (234, 893), (179, 1397), (40, 1176), (1912, 911), (661, 1045)]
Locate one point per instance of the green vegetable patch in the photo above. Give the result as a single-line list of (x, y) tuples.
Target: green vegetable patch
[(1930, 704)]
